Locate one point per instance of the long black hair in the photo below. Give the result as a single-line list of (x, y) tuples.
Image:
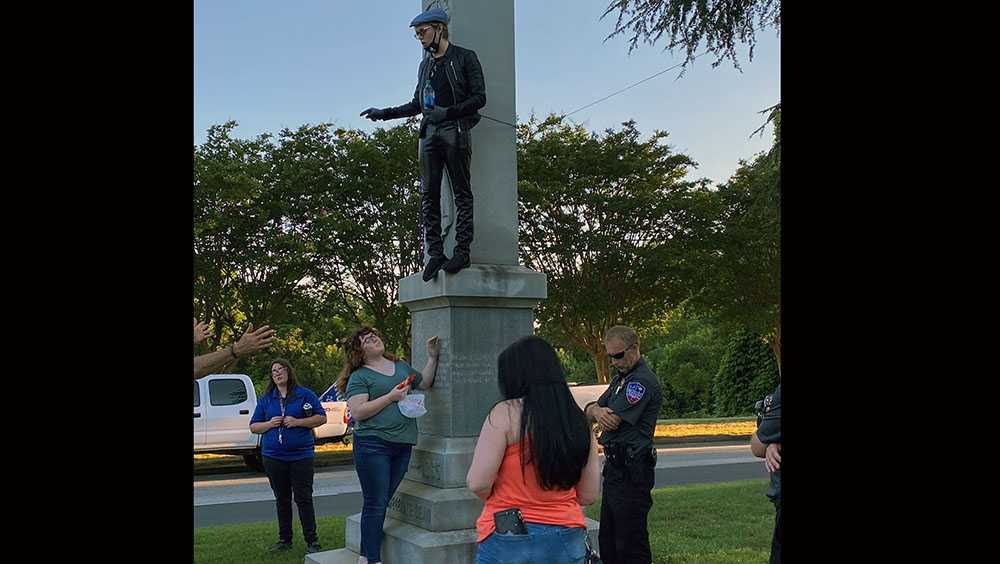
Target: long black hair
[(550, 418)]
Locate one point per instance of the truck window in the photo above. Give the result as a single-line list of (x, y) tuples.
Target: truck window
[(228, 391), (197, 394)]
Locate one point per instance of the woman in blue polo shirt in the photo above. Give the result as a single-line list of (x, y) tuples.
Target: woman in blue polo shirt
[(286, 414), (374, 381)]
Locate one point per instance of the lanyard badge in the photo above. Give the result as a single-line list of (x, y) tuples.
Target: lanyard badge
[(282, 402)]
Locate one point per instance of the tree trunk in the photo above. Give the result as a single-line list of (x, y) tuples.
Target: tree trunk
[(599, 355)]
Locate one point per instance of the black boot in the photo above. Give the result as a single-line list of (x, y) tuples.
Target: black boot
[(433, 266), (457, 262)]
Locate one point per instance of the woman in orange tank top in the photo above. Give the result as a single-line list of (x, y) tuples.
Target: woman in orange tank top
[(537, 456)]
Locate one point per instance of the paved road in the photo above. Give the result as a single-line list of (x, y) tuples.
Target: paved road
[(239, 498)]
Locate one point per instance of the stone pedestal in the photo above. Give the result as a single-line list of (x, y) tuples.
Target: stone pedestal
[(476, 314)]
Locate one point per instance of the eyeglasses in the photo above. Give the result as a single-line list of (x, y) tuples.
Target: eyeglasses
[(422, 31), (369, 337), (621, 355)]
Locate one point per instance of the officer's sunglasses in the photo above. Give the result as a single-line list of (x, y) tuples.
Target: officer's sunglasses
[(421, 32), (621, 355)]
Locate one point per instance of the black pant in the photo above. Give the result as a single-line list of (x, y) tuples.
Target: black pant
[(444, 146), (625, 505), (776, 539), (288, 478)]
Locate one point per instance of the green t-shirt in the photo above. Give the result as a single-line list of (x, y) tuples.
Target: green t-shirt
[(388, 424)]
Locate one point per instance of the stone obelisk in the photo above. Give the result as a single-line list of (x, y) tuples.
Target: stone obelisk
[(476, 313)]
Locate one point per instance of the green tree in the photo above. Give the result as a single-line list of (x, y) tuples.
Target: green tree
[(249, 255), (612, 223), (309, 233), (722, 24), (368, 229), (742, 271), (688, 360)]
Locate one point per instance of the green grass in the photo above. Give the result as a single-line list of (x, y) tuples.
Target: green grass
[(729, 522), (245, 543), (724, 523)]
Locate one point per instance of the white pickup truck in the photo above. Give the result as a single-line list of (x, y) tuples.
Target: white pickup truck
[(223, 405)]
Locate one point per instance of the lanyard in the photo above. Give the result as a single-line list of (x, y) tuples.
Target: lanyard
[(281, 401)]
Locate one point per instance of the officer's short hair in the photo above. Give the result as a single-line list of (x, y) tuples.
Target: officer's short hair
[(627, 335), (443, 27)]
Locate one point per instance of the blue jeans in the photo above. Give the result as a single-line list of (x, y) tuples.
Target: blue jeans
[(381, 465), (544, 544)]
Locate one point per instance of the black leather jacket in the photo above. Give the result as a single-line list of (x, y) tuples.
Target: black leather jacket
[(465, 75)]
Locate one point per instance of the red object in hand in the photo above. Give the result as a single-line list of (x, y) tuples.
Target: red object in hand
[(407, 382)]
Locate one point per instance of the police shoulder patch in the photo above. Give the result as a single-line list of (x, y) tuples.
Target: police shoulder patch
[(634, 392)]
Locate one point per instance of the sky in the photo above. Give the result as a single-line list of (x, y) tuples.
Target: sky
[(269, 65)]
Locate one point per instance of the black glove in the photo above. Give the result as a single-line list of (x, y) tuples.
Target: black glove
[(436, 115), (374, 114)]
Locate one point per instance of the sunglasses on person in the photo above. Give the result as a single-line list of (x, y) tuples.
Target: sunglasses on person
[(419, 33), (621, 355)]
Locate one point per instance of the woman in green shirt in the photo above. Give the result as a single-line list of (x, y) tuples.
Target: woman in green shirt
[(374, 381)]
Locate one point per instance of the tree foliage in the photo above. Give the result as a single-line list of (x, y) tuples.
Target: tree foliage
[(742, 274), (748, 373), (249, 255), (721, 24), (308, 232), (368, 232), (686, 361), (612, 223)]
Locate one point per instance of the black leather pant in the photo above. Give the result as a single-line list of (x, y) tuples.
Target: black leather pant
[(444, 146)]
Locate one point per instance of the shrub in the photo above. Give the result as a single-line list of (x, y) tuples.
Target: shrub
[(748, 373)]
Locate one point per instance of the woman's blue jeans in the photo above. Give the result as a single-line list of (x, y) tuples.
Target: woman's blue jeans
[(544, 544), (381, 465)]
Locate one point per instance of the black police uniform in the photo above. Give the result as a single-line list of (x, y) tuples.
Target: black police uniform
[(769, 431), (630, 461)]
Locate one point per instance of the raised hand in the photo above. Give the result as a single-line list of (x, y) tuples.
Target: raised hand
[(253, 341), (201, 331)]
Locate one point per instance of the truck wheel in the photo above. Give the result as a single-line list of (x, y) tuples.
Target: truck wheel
[(254, 461)]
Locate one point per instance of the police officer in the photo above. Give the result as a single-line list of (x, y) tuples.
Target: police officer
[(766, 443), (626, 414), (450, 91)]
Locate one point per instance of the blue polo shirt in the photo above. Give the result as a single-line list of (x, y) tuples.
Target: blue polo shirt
[(297, 442)]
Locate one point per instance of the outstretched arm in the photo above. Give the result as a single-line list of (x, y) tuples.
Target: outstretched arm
[(251, 342)]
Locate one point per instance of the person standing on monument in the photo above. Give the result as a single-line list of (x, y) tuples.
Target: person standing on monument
[(450, 91), (626, 414), (535, 463), (286, 415), (374, 381)]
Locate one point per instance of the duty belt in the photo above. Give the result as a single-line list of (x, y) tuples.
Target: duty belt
[(617, 455)]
